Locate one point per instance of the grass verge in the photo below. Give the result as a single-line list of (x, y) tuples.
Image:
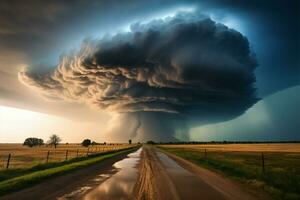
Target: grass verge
[(281, 179), (18, 179)]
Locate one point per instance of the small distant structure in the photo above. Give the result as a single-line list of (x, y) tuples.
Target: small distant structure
[(129, 141)]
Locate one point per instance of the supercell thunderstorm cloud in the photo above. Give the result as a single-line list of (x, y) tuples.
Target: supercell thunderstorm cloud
[(163, 77)]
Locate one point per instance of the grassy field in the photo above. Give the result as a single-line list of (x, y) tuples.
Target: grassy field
[(26, 157), (16, 179), (243, 162)]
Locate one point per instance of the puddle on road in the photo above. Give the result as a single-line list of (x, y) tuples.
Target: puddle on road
[(188, 185), (118, 183), (171, 165), (121, 184)]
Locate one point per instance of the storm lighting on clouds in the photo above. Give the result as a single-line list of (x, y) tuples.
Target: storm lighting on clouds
[(151, 69), (184, 70)]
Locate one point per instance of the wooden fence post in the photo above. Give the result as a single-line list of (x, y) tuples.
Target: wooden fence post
[(8, 160), (205, 153), (77, 154), (87, 152), (263, 162), (47, 159), (67, 154)]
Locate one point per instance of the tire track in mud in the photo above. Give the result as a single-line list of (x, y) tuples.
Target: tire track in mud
[(153, 182)]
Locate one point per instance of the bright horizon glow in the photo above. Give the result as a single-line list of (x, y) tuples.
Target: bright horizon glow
[(18, 124)]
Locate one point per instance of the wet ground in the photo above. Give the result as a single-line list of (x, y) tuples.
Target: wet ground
[(118, 183), (187, 184), (144, 174)]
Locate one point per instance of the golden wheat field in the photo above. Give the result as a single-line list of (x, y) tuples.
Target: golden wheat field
[(282, 147), (23, 156)]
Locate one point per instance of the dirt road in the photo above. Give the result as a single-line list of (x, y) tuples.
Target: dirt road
[(144, 174), (169, 177)]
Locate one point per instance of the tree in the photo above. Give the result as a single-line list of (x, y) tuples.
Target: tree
[(129, 141), (86, 142), (94, 143), (40, 142), (31, 142), (150, 142), (54, 140)]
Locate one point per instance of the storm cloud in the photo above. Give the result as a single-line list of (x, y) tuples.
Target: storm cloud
[(170, 74)]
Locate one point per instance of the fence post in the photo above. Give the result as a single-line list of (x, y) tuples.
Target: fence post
[(205, 153), (8, 160), (77, 153), (67, 154), (263, 162), (48, 153), (87, 152)]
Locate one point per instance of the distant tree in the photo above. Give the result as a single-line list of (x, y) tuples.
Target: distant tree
[(104, 143), (150, 142), (31, 142), (54, 140), (40, 142), (86, 142), (129, 141), (94, 143)]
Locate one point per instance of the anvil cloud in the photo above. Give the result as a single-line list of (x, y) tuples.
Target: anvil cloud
[(185, 68)]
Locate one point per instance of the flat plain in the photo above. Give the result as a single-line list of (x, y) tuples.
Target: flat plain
[(274, 168), (265, 147), (24, 157)]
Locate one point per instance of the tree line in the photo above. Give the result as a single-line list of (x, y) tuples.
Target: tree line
[(223, 142), (54, 140)]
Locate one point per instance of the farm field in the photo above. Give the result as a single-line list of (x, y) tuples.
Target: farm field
[(276, 172), (266, 147), (26, 157)]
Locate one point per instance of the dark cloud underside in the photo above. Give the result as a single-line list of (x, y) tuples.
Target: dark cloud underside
[(187, 65)]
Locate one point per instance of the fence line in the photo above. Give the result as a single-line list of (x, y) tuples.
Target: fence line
[(8, 160), (263, 162), (48, 154), (58, 155), (262, 157)]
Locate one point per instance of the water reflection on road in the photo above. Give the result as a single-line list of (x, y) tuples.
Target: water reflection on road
[(121, 184)]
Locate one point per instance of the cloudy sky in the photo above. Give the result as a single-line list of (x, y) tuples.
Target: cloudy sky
[(204, 68)]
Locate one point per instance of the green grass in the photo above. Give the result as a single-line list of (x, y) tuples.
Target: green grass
[(16, 179), (282, 170)]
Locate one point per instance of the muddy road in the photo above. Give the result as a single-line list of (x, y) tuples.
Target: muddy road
[(145, 174)]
